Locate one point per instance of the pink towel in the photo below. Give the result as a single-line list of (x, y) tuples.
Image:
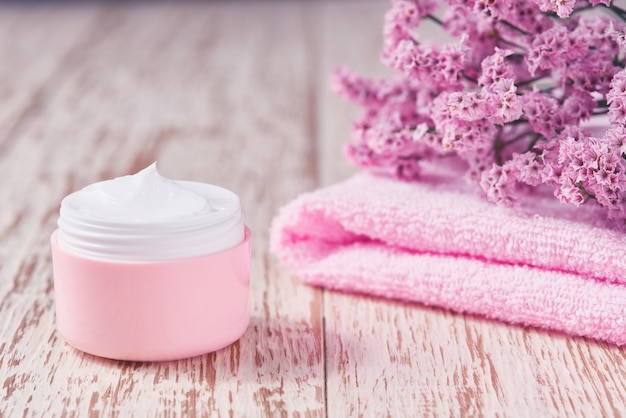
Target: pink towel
[(437, 242)]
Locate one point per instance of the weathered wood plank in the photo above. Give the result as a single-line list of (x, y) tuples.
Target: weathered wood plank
[(386, 358), (349, 34), (186, 85), (34, 55), (120, 86)]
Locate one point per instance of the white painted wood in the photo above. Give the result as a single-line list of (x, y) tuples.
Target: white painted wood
[(34, 54), (212, 102), (235, 94), (354, 42)]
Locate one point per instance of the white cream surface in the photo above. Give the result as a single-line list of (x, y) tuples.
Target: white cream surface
[(147, 217)]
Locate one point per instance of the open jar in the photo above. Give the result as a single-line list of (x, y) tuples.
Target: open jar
[(149, 269)]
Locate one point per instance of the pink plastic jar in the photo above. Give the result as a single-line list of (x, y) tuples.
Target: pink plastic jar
[(157, 292)]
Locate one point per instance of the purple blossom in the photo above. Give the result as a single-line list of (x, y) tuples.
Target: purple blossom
[(578, 106), (616, 140), (550, 50), (403, 17), (506, 105), (508, 98), (495, 67), (528, 166), (543, 113), (499, 184), (616, 97), (617, 32), (563, 8)]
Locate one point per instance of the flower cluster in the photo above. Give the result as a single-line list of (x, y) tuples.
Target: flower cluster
[(532, 93)]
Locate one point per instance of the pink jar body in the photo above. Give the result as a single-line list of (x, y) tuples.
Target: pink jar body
[(152, 310)]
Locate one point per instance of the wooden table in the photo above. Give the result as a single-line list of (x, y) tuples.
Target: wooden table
[(235, 95)]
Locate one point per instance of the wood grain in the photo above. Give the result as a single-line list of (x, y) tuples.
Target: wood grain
[(180, 85), (235, 94)]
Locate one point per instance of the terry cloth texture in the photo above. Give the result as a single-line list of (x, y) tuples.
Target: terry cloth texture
[(437, 242)]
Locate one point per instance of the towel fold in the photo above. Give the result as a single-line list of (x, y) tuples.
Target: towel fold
[(437, 242)]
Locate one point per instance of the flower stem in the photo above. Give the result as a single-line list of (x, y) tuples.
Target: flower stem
[(517, 138), (498, 146), (435, 19), (507, 42), (512, 26), (468, 78), (529, 81), (602, 104), (532, 143), (517, 122), (618, 10)]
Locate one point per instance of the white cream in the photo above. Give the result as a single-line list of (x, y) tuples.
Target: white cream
[(147, 217)]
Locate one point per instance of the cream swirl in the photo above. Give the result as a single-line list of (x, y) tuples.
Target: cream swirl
[(147, 217)]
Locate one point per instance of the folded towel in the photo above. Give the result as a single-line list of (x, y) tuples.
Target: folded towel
[(437, 242)]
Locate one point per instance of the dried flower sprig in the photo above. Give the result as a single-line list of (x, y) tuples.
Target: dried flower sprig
[(508, 97)]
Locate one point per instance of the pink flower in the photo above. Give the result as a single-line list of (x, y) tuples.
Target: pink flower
[(616, 140), (616, 98), (549, 50), (496, 67), (591, 168), (578, 107), (543, 113), (507, 97), (499, 184), (468, 106), (617, 32), (528, 165), (403, 17), (563, 8), (467, 137), (571, 192), (505, 102)]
